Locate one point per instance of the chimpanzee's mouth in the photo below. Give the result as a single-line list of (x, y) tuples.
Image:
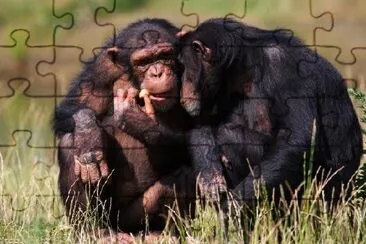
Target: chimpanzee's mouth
[(156, 98), (161, 96)]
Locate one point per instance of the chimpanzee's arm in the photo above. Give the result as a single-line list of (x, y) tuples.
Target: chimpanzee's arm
[(92, 90), (80, 99), (205, 154), (138, 124), (206, 160), (284, 162), (283, 165), (89, 98), (200, 140)]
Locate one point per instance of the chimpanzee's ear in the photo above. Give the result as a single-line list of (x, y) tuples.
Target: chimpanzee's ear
[(112, 53), (199, 47)]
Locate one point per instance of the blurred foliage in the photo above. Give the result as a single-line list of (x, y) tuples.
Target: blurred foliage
[(15, 10), (360, 182), (128, 5), (360, 97), (121, 6), (41, 18), (20, 52)]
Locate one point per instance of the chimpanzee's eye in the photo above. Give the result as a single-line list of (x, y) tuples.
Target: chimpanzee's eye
[(165, 56), (145, 61)]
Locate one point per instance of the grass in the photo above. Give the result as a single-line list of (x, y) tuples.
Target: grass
[(28, 217)]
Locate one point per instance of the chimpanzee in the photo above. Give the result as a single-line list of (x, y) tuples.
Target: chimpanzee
[(263, 93), (105, 134)]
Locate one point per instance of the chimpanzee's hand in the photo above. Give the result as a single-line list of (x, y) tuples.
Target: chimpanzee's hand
[(130, 117), (124, 102), (90, 164), (212, 186), (206, 159), (112, 237), (136, 121)]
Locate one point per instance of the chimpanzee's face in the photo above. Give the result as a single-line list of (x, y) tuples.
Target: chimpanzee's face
[(156, 70), (200, 81), (151, 60)]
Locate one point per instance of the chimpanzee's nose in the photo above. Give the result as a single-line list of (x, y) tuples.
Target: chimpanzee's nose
[(156, 71)]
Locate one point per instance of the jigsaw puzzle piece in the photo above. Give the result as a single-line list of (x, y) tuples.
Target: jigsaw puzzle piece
[(23, 112), (65, 59), (357, 71), (28, 174), (84, 18), (37, 159), (352, 72), (262, 13), (121, 15), (345, 26), (305, 20), (39, 20), (22, 59), (347, 54), (70, 43), (198, 11)]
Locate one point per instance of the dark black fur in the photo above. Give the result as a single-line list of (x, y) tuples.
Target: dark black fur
[(261, 91)]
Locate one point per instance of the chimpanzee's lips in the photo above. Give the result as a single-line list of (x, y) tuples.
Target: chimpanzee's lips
[(160, 96)]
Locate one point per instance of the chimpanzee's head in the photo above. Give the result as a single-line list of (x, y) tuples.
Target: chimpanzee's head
[(208, 54), (147, 52)]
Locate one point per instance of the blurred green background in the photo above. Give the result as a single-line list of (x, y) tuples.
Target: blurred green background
[(33, 72)]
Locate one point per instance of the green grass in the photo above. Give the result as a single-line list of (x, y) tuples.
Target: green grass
[(29, 218)]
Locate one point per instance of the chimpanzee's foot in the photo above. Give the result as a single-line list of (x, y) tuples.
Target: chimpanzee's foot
[(112, 237), (124, 238)]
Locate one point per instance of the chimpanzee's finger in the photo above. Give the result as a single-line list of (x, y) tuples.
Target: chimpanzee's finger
[(76, 166), (131, 102), (98, 155), (132, 94), (122, 94), (116, 106), (118, 102), (117, 109), (93, 173), (84, 173), (125, 238), (104, 170), (125, 105)]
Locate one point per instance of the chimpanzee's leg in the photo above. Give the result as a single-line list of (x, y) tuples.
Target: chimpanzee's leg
[(153, 204)]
